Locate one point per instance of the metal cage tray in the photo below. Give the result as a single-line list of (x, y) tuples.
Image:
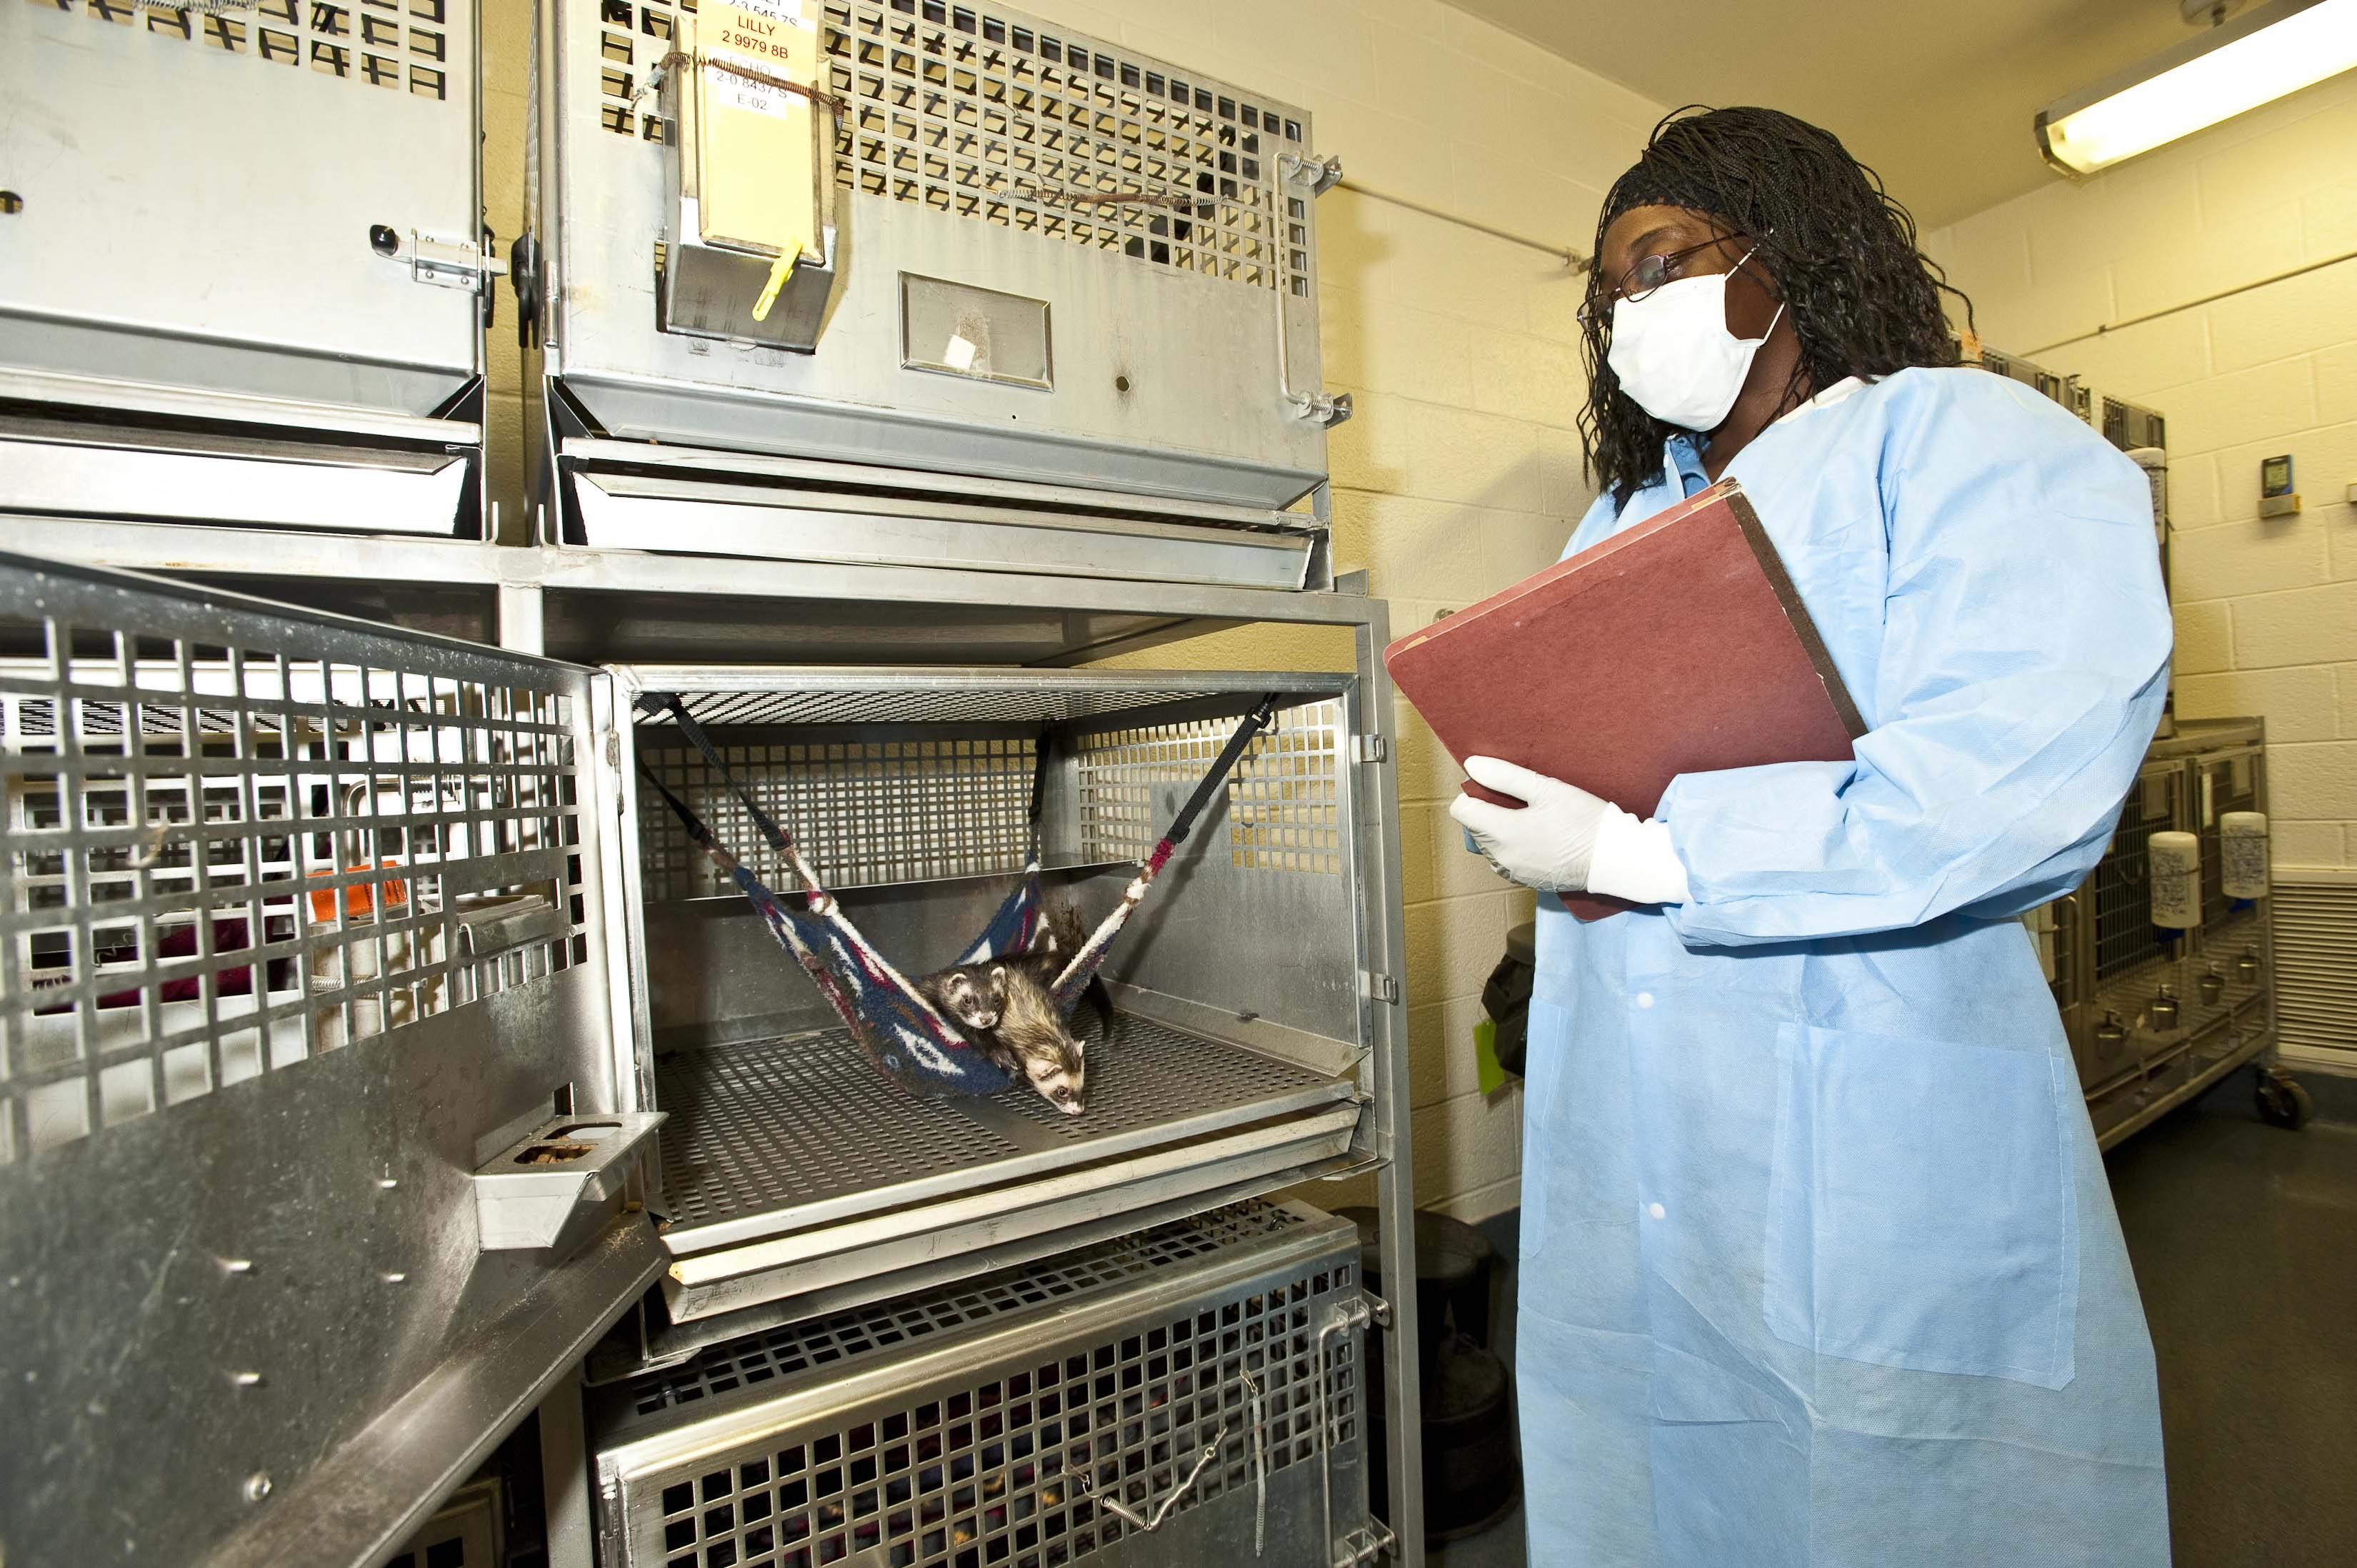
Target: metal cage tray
[(786, 1151)]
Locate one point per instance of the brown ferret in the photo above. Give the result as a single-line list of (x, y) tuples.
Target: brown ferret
[(1004, 1005)]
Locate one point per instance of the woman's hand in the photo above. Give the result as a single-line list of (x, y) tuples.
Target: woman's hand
[(1547, 844), (1565, 839)]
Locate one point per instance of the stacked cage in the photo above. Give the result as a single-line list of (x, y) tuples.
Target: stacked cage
[(1050, 313), (246, 275), (1237, 1056), (2158, 1013), (1183, 1392), (1054, 307), (380, 1060)]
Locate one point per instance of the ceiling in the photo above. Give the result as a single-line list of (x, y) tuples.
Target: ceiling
[(1937, 98)]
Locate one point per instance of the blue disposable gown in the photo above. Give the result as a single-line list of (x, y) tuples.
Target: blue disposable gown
[(1819, 1265)]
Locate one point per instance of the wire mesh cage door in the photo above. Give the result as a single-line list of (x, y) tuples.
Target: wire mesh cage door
[(300, 924), (1192, 1392), (1061, 259)]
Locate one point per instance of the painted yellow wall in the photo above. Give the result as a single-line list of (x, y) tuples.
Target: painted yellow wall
[(1460, 472), (2267, 610)]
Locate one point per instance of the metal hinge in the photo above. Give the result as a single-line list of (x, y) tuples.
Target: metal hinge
[(1321, 175), (1328, 409), (1381, 987), (1371, 748), (444, 263)]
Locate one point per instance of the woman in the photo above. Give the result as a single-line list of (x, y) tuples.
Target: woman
[(1819, 1265)]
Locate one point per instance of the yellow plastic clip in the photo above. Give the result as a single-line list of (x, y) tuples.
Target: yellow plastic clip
[(778, 271)]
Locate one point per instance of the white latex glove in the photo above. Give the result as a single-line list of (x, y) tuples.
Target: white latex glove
[(1566, 839)]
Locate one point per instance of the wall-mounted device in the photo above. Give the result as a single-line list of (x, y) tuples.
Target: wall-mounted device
[(2276, 496)]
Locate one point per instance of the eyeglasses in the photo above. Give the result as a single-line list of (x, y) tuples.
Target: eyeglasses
[(1649, 273)]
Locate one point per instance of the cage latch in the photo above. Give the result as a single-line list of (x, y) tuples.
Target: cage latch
[(1370, 748), (1347, 1315), (1328, 409), (1381, 987), (444, 263), (556, 1183), (1321, 175)]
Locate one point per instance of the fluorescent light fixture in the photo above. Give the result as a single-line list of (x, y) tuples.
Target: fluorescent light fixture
[(2260, 56)]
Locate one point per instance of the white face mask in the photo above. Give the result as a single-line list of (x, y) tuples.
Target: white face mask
[(1674, 355)]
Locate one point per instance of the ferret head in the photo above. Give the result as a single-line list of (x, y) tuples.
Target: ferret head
[(968, 1002), (1064, 1085)]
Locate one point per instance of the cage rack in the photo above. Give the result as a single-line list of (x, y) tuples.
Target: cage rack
[(1141, 235), (2156, 1016), (1183, 1392), (336, 387), (435, 852)]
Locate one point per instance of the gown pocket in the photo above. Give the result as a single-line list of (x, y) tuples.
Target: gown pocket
[(1920, 1212)]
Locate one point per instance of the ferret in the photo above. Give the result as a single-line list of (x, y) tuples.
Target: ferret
[(1011, 1018), (1005, 1007)]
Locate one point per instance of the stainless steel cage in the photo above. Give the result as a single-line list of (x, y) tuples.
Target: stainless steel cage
[(1247, 1013), (2155, 1016), (1151, 227), (343, 987), (243, 280), (1189, 1391)]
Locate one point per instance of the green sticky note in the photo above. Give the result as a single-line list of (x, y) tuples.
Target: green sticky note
[(1485, 1056)]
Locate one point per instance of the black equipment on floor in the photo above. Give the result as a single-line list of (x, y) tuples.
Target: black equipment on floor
[(1471, 1476)]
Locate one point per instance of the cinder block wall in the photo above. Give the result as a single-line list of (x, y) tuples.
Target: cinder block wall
[(1460, 472), (2267, 610)]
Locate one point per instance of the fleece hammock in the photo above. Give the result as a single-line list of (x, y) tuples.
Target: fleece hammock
[(900, 1031)]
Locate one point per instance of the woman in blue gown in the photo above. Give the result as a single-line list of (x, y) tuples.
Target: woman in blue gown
[(1819, 1264)]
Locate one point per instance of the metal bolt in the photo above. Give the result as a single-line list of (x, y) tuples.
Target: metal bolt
[(257, 1487), (237, 1265)]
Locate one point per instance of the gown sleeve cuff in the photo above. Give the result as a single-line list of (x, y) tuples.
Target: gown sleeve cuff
[(1635, 860)]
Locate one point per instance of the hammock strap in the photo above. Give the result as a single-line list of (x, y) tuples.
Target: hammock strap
[(1076, 974), (813, 894), (781, 925), (1254, 723)]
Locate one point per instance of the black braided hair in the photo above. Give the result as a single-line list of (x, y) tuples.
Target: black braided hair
[(1839, 251)]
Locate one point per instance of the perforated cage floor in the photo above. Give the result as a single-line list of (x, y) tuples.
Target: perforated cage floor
[(775, 1134)]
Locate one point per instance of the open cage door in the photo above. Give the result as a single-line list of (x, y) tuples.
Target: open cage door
[(315, 1173)]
